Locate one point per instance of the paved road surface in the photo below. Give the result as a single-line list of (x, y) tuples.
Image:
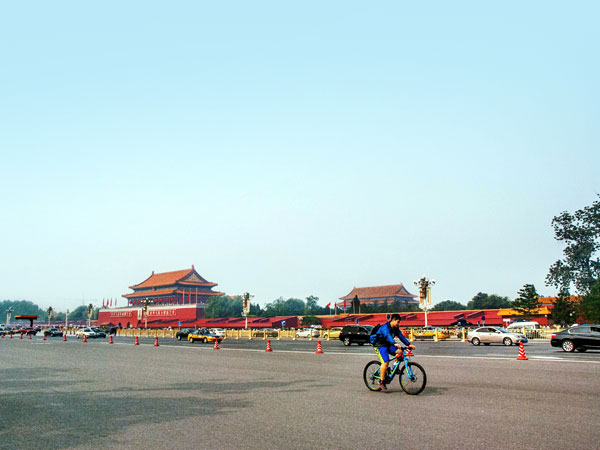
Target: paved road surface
[(75, 395)]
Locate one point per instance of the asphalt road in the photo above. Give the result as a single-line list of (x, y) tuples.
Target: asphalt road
[(180, 395)]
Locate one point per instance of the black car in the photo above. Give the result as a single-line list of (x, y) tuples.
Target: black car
[(578, 338), (183, 334), (53, 332), (100, 333), (359, 334)]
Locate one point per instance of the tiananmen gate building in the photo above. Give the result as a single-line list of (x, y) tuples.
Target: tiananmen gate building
[(172, 297)]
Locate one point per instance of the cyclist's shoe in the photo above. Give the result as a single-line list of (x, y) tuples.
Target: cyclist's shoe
[(382, 386)]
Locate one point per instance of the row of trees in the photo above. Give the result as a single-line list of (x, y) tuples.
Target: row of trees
[(26, 307)]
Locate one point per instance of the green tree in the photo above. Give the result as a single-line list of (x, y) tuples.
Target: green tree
[(21, 307), (565, 311), (527, 301), (580, 232), (448, 305), (223, 306), (591, 304), (485, 301), (312, 306), (79, 313), (311, 320)]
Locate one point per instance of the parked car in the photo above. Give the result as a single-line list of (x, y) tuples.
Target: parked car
[(218, 331), (359, 334), (308, 332), (53, 332), (332, 333), (518, 326), (99, 332), (494, 335), (203, 335), (87, 332), (578, 338), (31, 331), (182, 334)]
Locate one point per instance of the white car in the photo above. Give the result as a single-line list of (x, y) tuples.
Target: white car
[(218, 331), (87, 332), (306, 332)]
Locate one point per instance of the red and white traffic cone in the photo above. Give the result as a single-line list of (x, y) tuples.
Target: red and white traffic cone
[(29, 336), (522, 356), (21, 336), (319, 348), (110, 339), (216, 347), (65, 336), (156, 341), (268, 349), (44, 338), (137, 341), (11, 335), (84, 338)]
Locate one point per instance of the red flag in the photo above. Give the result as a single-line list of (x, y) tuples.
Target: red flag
[(111, 302), (103, 303), (344, 305), (328, 305)]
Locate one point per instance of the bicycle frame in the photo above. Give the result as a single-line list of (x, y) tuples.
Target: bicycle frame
[(398, 362)]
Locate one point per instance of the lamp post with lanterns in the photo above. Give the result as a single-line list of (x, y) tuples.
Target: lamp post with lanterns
[(425, 293), (246, 307)]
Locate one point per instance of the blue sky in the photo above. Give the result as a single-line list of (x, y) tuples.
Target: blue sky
[(292, 150)]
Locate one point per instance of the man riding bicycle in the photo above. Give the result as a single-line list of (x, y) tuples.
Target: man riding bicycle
[(385, 345)]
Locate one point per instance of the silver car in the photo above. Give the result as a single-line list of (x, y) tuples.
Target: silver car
[(494, 335)]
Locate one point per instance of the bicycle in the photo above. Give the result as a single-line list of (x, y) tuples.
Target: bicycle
[(412, 376)]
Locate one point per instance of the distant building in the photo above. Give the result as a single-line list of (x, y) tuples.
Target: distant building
[(173, 298), (395, 294)]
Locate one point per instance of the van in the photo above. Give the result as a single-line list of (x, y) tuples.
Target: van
[(521, 325)]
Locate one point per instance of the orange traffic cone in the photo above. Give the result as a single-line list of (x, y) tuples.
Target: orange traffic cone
[(29, 336), (216, 347), (21, 336), (319, 348), (65, 336), (110, 339), (137, 341), (44, 338), (156, 341), (11, 335), (84, 338), (268, 349), (522, 356)]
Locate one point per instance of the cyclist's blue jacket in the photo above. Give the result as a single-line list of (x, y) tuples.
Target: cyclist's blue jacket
[(385, 336)]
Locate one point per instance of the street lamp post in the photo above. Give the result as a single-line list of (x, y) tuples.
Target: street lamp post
[(9, 312), (146, 302), (425, 293), (90, 312), (49, 315), (67, 319), (246, 307)]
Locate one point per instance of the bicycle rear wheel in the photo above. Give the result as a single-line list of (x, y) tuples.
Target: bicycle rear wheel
[(413, 378), (371, 375)]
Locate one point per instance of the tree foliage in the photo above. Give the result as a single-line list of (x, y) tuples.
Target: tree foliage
[(224, 306), (580, 232), (527, 301), (591, 304), (486, 301), (565, 311), (448, 305), (21, 307)]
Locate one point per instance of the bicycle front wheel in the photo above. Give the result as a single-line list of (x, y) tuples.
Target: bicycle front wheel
[(371, 375), (412, 378)]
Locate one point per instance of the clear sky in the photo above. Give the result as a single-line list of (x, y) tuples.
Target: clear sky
[(292, 149)]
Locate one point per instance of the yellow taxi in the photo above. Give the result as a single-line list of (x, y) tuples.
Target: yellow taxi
[(203, 335), (429, 333), (332, 333)]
